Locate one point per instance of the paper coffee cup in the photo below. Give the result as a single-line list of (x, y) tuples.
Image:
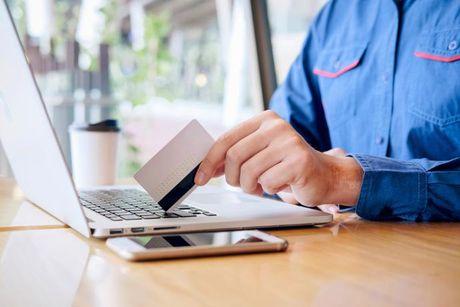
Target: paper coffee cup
[(94, 153)]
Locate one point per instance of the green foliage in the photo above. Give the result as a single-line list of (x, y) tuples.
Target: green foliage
[(131, 164), (111, 33), (136, 72), (66, 20), (17, 8)]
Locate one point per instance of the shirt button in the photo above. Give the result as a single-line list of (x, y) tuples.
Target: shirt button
[(385, 78), (452, 45), (337, 64), (379, 140)]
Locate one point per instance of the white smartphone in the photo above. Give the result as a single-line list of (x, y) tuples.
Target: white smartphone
[(195, 244)]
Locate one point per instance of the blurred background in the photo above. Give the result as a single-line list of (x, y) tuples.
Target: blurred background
[(156, 64)]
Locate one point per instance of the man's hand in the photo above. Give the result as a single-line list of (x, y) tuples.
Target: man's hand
[(289, 198), (266, 154)]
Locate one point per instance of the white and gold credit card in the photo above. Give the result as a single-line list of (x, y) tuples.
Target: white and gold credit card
[(169, 175)]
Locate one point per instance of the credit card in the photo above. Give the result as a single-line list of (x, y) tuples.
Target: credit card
[(169, 175)]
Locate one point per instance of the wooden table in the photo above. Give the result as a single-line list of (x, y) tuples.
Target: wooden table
[(18, 214), (350, 262)]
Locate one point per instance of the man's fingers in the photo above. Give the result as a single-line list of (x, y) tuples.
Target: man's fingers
[(336, 152), (288, 197), (252, 169), (218, 151), (287, 189), (333, 209), (276, 178), (258, 191), (220, 171), (241, 152)]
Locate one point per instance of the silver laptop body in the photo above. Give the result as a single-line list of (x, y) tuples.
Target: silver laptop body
[(40, 170)]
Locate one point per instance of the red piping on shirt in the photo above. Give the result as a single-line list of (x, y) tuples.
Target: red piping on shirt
[(328, 74), (438, 58)]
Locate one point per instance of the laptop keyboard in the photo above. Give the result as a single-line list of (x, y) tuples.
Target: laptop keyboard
[(128, 205)]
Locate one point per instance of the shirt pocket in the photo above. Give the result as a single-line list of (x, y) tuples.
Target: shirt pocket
[(434, 93), (338, 79)]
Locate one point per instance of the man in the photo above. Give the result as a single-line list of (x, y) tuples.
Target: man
[(379, 79)]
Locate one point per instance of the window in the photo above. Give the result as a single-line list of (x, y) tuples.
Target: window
[(289, 21), (154, 65)]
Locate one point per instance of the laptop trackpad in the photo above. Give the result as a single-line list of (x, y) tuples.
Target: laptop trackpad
[(237, 204)]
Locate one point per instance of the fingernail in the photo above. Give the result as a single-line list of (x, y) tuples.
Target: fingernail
[(333, 210), (200, 178)]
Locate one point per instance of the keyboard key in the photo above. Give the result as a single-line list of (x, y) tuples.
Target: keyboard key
[(127, 213), (130, 217), (150, 217), (156, 211), (115, 209), (109, 208), (170, 216), (184, 214), (209, 214), (118, 212), (135, 210), (143, 213), (145, 207)]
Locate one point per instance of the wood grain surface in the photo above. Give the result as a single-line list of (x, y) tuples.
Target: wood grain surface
[(350, 262)]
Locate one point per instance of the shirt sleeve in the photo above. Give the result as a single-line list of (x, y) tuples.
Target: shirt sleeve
[(413, 190), (297, 100)]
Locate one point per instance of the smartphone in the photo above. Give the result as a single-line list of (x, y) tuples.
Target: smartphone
[(169, 246)]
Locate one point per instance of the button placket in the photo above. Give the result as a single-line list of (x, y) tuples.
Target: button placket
[(383, 127)]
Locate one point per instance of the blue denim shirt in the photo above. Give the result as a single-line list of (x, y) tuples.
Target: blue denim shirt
[(381, 79)]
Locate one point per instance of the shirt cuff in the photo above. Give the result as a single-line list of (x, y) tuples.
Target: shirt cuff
[(391, 189)]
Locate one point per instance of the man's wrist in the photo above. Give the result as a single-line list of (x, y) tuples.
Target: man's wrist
[(347, 177)]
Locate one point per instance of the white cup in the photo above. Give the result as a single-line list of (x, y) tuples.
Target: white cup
[(94, 153)]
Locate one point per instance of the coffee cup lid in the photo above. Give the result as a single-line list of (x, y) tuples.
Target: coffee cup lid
[(109, 125)]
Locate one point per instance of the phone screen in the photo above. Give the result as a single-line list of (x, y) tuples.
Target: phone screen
[(196, 239)]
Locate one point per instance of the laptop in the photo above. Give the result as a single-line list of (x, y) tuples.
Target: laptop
[(38, 165)]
